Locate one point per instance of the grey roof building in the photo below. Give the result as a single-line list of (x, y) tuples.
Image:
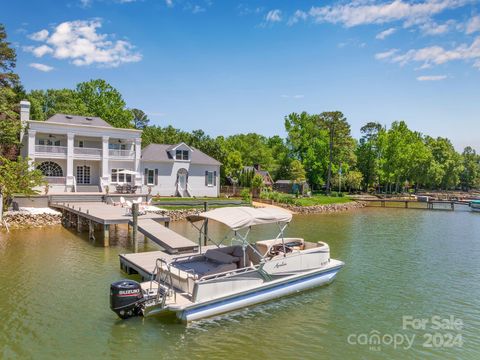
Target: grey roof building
[(163, 153)]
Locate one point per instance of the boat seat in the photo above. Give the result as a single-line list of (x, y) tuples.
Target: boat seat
[(220, 257), (220, 269)]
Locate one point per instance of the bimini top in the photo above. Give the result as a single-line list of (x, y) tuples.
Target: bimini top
[(237, 218)]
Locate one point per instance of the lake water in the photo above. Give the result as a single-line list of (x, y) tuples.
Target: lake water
[(400, 265)]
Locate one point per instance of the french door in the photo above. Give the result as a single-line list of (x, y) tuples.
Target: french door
[(83, 174)]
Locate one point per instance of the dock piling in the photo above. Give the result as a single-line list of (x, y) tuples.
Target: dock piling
[(135, 223), (106, 235)]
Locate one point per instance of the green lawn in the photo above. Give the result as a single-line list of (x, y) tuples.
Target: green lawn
[(321, 200), (165, 199)]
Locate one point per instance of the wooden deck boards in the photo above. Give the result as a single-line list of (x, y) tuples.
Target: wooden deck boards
[(168, 239), (103, 213)]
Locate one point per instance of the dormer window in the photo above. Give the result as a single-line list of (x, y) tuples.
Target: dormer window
[(181, 154)]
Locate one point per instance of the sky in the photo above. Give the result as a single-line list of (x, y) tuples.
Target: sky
[(230, 67)]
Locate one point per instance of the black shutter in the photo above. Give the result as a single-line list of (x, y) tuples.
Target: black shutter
[(214, 178), (156, 176), (206, 178), (145, 180)]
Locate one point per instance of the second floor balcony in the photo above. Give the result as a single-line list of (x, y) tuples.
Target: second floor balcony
[(81, 152)]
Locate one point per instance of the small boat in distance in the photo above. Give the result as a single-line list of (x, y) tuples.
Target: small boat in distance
[(220, 278), (475, 205)]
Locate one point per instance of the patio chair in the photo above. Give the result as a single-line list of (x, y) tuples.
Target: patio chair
[(128, 207), (122, 201)]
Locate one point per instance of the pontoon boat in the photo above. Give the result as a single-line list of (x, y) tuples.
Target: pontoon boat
[(221, 278)]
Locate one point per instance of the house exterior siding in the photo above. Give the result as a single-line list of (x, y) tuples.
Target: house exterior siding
[(74, 151)]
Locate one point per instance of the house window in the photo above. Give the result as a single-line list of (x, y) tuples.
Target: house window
[(114, 175), (49, 142), (181, 155), (210, 178), (116, 146), (49, 168), (150, 177), (80, 143), (118, 177)]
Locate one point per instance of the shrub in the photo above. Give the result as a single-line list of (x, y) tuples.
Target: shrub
[(246, 195)]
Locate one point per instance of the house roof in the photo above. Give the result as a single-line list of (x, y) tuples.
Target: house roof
[(263, 173), (78, 120), (175, 146), (160, 153)]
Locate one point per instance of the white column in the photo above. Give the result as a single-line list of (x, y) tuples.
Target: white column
[(105, 157), (138, 154), (70, 145), (31, 145), (24, 117)]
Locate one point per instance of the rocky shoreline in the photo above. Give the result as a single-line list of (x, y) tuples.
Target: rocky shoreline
[(328, 208), (22, 219), (25, 220)]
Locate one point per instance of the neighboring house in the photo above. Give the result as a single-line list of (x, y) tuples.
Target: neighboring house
[(86, 154), (267, 179)]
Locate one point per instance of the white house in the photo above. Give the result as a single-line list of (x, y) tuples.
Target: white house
[(86, 154)]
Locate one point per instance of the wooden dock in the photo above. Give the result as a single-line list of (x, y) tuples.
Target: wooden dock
[(168, 239), (94, 214), (415, 204)]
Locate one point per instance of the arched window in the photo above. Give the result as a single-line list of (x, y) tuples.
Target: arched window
[(50, 168)]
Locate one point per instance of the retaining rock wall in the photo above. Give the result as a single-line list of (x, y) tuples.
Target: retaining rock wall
[(318, 209)]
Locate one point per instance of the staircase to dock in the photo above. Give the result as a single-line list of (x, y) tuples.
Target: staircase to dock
[(87, 188)]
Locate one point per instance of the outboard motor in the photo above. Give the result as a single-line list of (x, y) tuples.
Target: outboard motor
[(126, 298)]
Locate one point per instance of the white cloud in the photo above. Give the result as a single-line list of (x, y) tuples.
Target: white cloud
[(436, 55), (297, 16), (384, 34), (473, 25), (41, 67), (169, 3), (432, 28), (362, 12), (41, 50), (431, 77), (39, 36), (274, 16), (80, 42), (386, 54)]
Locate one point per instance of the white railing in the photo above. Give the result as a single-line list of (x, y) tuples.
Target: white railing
[(55, 179), (50, 149), (121, 153), (87, 151)]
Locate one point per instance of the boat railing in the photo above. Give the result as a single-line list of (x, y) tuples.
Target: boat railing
[(163, 276), (228, 273)]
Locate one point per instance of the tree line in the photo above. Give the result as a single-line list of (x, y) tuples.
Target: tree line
[(318, 148)]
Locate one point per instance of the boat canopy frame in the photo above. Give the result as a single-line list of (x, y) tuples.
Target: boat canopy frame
[(246, 218)]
